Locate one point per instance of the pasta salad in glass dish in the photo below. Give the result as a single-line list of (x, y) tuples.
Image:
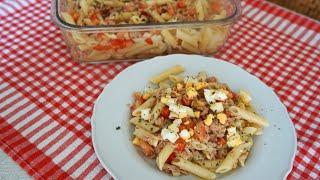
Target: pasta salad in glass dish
[(100, 30), (194, 124)]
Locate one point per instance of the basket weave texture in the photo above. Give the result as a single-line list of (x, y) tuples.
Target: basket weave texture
[(309, 8)]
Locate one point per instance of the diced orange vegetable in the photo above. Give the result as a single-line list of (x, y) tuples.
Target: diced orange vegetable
[(215, 7), (149, 41), (171, 158), (165, 112), (170, 10), (75, 15), (100, 47), (180, 145), (120, 43), (181, 4), (221, 141)]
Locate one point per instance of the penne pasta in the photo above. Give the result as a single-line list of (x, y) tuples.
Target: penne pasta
[(189, 47), (164, 154), (156, 111), (232, 158), (164, 75), (192, 40), (147, 104), (249, 116), (199, 9), (169, 38), (210, 164), (175, 79), (194, 169), (146, 136), (144, 124)]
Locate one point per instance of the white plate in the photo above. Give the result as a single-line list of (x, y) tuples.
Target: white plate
[(272, 154)]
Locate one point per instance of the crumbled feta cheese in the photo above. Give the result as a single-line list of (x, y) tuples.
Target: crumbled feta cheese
[(220, 96), (177, 122), (233, 138), (184, 134), (145, 114), (167, 134), (217, 107), (191, 92), (181, 111), (208, 120), (208, 96)]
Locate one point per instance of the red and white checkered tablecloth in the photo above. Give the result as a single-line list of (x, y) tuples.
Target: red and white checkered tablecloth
[(46, 99)]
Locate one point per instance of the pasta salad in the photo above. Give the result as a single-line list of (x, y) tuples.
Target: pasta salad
[(137, 44), (194, 124)]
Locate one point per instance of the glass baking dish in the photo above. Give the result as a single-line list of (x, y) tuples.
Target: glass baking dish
[(96, 38)]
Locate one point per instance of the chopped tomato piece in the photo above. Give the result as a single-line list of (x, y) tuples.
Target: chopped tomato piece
[(75, 15), (120, 43), (171, 158), (215, 6), (149, 41), (100, 47), (170, 10), (93, 15), (165, 112), (181, 4), (221, 141), (180, 145)]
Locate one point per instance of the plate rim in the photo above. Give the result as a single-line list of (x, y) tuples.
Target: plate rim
[(160, 58)]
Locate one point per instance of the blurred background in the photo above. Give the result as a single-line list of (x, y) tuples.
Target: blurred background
[(309, 8)]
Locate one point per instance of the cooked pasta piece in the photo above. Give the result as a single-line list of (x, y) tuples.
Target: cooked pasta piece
[(164, 154), (147, 136), (144, 124), (164, 75), (194, 169), (232, 158), (147, 104), (249, 116)]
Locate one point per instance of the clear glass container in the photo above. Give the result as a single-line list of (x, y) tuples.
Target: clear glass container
[(93, 38)]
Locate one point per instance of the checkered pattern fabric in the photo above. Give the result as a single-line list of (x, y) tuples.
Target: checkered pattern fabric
[(46, 99)]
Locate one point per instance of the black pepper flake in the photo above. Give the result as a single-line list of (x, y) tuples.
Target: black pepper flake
[(264, 144), (118, 128), (151, 129), (274, 125), (279, 129)]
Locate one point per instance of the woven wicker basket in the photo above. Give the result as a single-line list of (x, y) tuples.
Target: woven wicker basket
[(309, 8)]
